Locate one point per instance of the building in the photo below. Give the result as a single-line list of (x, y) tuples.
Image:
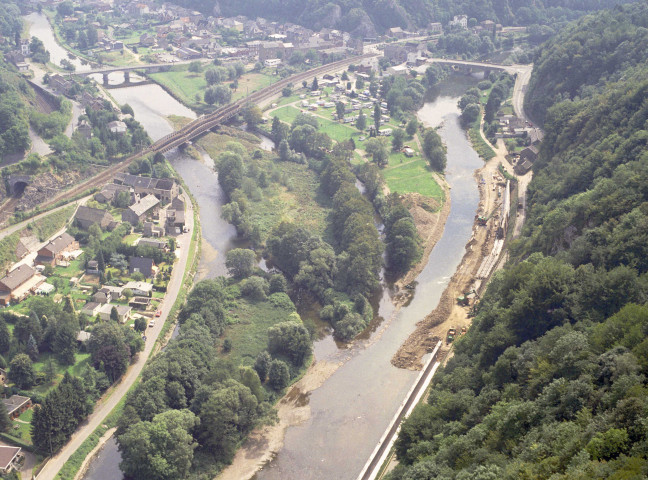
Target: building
[(87, 216), (522, 167), (488, 26), (140, 303), (272, 62), (84, 129), (8, 458), (460, 21), (270, 50), (147, 40), (91, 309), (143, 265), (55, 249), (109, 192), (153, 242), (395, 53), (92, 267), (118, 127), (529, 153), (186, 53), (138, 212), (16, 405), (166, 189), (19, 283), (140, 288), (396, 32), (114, 292), (435, 28), (152, 230), (60, 84), (123, 312)]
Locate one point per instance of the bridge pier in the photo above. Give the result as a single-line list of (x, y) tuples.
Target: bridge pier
[(127, 77), (105, 79)]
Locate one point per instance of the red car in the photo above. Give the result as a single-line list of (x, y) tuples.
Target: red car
[(158, 313)]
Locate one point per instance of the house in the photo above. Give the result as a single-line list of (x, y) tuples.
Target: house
[(117, 126), (24, 47), (92, 267), (185, 53), (396, 32), (408, 152), (110, 191), (147, 40), (138, 212), (55, 249), (152, 242), (8, 458), (114, 292), (140, 303), (272, 62), (45, 289), (60, 84), (397, 70), (19, 283), (270, 50), (22, 250), (16, 404), (460, 21), (152, 230), (102, 297), (91, 309), (140, 288), (165, 189), (83, 336), (488, 26), (143, 265), (435, 28), (529, 153), (395, 53), (522, 167), (123, 312), (87, 216), (84, 129)]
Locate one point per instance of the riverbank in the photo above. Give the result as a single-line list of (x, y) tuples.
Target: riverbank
[(448, 313)]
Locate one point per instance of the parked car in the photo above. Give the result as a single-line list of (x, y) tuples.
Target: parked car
[(158, 313), (151, 323)]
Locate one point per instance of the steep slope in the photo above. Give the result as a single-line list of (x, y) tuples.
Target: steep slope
[(550, 381)]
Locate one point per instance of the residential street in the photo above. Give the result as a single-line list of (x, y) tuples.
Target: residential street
[(105, 406)]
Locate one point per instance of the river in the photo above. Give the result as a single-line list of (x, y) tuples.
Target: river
[(351, 410)]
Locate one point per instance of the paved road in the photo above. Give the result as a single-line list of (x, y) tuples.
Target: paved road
[(104, 407)]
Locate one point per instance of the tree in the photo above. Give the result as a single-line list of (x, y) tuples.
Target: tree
[(161, 449), (377, 148), (64, 343), (434, 150), (140, 325), (278, 375), (339, 110), (262, 365), (398, 139), (213, 76), (345, 76), (359, 83), (195, 67), (361, 122), (412, 127), (252, 116), (291, 339), (219, 94), (32, 348), (470, 113), (27, 326), (377, 114), (93, 36), (114, 316), (240, 262), (5, 422), (5, 337), (278, 283), (229, 413), (108, 349), (286, 92), (21, 371), (314, 85)]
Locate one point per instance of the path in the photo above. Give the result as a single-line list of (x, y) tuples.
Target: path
[(115, 394)]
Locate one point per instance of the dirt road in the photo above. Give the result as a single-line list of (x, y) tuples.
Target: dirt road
[(115, 394)]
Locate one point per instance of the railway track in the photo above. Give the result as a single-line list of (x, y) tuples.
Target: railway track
[(191, 130)]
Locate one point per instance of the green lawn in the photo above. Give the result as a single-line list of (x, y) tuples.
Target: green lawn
[(286, 114), (131, 238), (186, 85), (412, 177)]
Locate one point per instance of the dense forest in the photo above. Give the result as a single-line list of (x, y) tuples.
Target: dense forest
[(550, 381), (373, 17)]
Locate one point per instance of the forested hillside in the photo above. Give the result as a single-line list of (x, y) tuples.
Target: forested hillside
[(370, 17), (550, 381)]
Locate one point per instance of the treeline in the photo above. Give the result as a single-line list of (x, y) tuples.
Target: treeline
[(550, 380), (204, 403), (14, 112), (372, 17), (579, 61)]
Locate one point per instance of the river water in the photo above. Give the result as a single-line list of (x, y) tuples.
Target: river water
[(353, 407)]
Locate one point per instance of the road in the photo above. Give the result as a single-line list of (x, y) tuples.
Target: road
[(106, 405)]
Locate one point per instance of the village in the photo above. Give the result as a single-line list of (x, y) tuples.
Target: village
[(142, 220)]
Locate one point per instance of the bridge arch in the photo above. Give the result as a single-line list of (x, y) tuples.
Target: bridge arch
[(18, 183)]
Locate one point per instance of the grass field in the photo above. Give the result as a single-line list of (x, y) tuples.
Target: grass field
[(47, 226), (414, 176), (249, 336), (185, 85), (21, 430)]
